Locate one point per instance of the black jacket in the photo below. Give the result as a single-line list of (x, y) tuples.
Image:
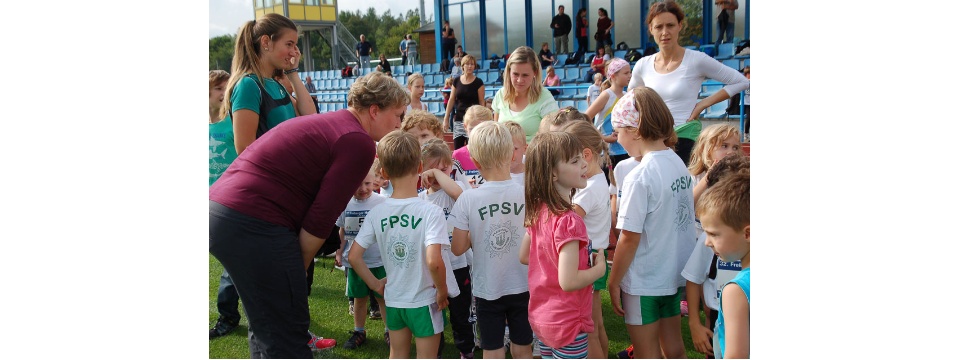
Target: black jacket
[(564, 22)]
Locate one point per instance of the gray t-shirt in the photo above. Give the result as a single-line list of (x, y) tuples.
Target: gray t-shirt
[(411, 47)]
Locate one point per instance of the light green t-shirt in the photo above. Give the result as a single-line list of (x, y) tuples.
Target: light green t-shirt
[(222, 149), (529, 118), (246, 95)]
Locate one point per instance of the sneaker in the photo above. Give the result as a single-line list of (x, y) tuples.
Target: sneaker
[(468, 355), (626, 353), (684, 309), (351, 308), (357, 339), (221, 328), (317, 343), (375, 314)]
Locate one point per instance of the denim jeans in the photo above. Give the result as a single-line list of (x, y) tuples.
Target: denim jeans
[(364, 64), (228, 300)]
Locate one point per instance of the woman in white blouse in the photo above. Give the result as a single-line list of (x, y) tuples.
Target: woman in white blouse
[(677, 74)]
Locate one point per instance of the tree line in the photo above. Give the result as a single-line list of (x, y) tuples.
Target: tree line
[(383, 31)]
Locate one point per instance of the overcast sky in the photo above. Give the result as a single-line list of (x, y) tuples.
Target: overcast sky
[(227, 15)]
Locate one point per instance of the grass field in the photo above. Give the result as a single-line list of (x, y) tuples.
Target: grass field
[(329, 318)]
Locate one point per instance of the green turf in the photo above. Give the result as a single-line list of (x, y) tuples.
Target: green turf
[(329, 318)]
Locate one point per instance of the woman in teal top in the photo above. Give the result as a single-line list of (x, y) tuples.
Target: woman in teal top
[(222, 150), (265, 47), (523, 98)]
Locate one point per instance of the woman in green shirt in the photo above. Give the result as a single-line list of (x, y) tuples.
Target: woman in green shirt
[(523, 98), (265, 47)]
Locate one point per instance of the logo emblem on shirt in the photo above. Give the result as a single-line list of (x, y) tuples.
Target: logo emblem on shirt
[(684, 215), (402, 253), (501, 238)]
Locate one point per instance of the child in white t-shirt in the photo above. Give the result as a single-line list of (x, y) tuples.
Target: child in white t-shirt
[(705, 270), (657, 227), (489, 219), (412, 238), (364, 199), (593, 204), (443, 191), (594, 90)]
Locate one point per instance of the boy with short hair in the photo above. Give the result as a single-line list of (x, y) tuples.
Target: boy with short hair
[(423, 125), (519, 149), (489, 219), (724, 211), (467, 172), (350, 221), (704, 270), (411, 235)]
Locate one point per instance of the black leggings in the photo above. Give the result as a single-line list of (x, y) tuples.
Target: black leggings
[(684, 148)]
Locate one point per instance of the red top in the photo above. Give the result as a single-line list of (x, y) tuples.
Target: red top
[(301, 173)]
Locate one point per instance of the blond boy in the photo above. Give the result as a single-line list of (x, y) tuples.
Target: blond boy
[(489, 220), (411, 235)]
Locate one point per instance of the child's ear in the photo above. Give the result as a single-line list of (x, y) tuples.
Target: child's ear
[(746, 233), (383, 174), (588, 154), (475, 163), (420, 168)]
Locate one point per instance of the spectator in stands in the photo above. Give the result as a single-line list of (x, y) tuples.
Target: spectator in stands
[(551, 79), (726, 19), (415, 86), (466, 91), (412, 52), (523, 98), (265, 225), (594, 90), (384, 65), (598, 63), (403, 50), (676, 74), (604, 25), (448, 42), (561, 31), (582, 24), (311, 88), (546, 57), (363, 53)]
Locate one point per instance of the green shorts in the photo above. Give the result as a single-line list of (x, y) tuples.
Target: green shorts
[(356, 288), (601, 283), (643, 310), (423, 321)]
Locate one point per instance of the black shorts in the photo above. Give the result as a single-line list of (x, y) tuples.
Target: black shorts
[(510, 310)]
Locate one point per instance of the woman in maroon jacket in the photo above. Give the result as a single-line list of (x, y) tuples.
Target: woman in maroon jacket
[(285, 189)]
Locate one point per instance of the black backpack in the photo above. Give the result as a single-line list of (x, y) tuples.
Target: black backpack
[(574, 58), (632, 56), (622, 45)]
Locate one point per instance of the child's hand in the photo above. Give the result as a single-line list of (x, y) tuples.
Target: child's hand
[(701, 338), (338, 260), (615, 297), (442, 300), (429, 177), (600, 259), (381, 285)]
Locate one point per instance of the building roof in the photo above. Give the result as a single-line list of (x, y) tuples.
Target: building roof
[(425, 28)]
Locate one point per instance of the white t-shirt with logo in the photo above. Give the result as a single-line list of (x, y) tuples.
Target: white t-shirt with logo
[(595, 201), (493, 213), (657, 203), (445, 202), (403, 229), (350, 221)]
